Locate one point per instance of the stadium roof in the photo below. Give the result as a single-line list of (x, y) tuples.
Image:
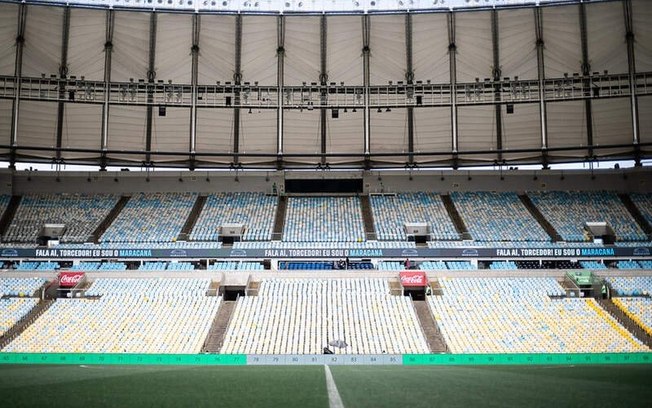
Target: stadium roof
[(303, 6), (524, 85)]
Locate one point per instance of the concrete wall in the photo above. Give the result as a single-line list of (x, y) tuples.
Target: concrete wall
[(626, 180)]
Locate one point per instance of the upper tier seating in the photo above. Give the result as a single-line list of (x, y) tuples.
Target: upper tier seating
[(301, 316), (132, 316), (627, 265), (491, 216), (391, 212), (151, 217), (568, 211), (517, 315), (503, 265), (433, 266), (81, 213), (255, 210), (324, 219), (461, 265), (4, 202)]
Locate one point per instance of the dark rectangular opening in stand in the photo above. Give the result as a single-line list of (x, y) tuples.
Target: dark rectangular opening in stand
[(323, 186)]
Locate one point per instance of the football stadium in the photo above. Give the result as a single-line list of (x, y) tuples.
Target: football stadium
[(326, 203)]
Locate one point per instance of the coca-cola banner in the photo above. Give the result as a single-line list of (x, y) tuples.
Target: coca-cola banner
[(413, 279), (70, 279)]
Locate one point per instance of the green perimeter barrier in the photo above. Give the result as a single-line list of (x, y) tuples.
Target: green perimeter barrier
[(123, 359), (527, 359), (408, 359)]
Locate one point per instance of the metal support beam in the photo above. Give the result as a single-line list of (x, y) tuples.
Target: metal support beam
[(452, 50), (409, 79), (323, 80), (631, 60), (237, 80), (193, 80), (18, 72), (496, 74), (586, 82), (63, 74), (280, 63), (543, 116), (366, 78), (151, 77), (108, 51)]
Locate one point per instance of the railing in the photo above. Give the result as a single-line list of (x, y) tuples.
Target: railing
[(314, 96)]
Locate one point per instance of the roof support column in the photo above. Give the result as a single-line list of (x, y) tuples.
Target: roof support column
[(586, 81), (280, 63), (237, 80), (409, 79), (18, 72), (151, 77), (366, 78), (452, 50), (543, 116), (193, 80), (323, 81), (496, 74), (108, 50), (631, 60), (63, 74)]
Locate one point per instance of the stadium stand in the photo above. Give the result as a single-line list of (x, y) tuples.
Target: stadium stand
[(131, 316), (86, 266), (81, 213), (433, 266), (21, 287), (305, 266), (517, 315), (254, 210), (592, 265), (637, 309), (391, 212), (460, 265), (151, 218), (644, 204), (301, 316), (627, 265), (631, 285), (490, 216), (14, 309), (319, 219), (112, 266), (391, 266), (567, 211), (506, 265)]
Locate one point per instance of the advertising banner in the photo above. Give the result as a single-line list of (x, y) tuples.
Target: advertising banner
[(413, 279), (70, 279)]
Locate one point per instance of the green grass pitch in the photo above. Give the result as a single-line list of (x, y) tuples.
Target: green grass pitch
[(305, 386)]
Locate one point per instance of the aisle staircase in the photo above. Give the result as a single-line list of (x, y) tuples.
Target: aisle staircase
[(197, 208), (534, 211), (106, 223), (621, 317), (215, 338), (24, 323), (279, 220), (435, 339), (367, 218), (455, 216)]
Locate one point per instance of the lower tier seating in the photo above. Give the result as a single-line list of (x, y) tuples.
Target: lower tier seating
[(14, 309), (638, 309), (131, 316), (517, 315), (301, 316)]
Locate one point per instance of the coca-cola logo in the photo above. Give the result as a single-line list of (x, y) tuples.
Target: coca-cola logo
[(68, 280), (413, 279)]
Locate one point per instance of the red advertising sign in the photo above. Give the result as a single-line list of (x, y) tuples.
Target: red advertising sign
[(413, 278), (70, 279)]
